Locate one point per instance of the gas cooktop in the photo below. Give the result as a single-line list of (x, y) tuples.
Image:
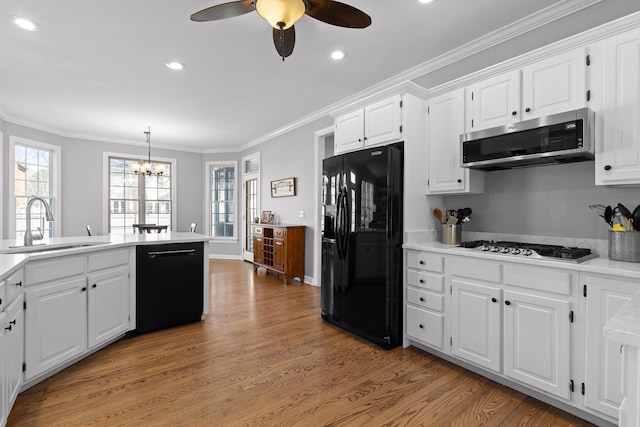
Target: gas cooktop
[(532, 250)]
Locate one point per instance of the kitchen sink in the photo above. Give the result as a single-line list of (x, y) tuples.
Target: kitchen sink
[(45, 248)]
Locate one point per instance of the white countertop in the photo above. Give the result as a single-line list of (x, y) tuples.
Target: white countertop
[(624, 326), (9, 262), (596, 265)]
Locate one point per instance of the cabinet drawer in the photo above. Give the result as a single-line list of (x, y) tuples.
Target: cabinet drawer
[(107, 259), (430, 281), (540, 278), (425, 299), (279, 232), (425, 326), (425, 261), (257, 231), (476, 269), (55, 268), (13, 284)]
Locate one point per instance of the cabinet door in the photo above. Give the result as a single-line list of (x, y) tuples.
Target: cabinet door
[(618, 157), (446, 124), (279, 255), (494, 102), (537, 342), (14, 340), (108, 306), (554, 85), (258, 250), (349, 132), (603, 364), (4, 404), (475, 324), (383, 121), (56, 322)]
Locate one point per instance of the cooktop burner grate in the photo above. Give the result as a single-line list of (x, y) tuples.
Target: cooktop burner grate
[(535, 250)]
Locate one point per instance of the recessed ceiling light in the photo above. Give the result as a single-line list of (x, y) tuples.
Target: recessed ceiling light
[(425, 1), (24, 23), (175, 65), (337, 55)]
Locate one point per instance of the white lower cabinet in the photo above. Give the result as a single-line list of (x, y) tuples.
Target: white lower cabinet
[(476, 324), (604, 296), (56, 318), (108, 305), (14, 349), (537, 342), (4, 404)]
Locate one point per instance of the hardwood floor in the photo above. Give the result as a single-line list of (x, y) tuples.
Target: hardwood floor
[(263, 356)]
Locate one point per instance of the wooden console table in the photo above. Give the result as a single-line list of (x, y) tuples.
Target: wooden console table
[(280, 249)]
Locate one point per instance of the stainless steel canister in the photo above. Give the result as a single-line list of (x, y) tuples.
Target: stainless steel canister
[(624, 246), (451, 234)]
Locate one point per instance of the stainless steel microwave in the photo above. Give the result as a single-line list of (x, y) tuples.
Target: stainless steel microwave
[(560, 138)]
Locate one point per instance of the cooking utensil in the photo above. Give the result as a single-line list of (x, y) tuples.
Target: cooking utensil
[(599, 209), (608, 215), (452, 219), (626, 216), (635, 217), (437, 213)]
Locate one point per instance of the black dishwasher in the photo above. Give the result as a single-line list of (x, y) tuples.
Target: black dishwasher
[(169, 285)]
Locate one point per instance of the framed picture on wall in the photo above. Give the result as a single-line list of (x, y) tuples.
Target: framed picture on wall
[(283, 187)]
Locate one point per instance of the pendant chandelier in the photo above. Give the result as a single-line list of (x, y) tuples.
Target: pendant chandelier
[(146, 167)]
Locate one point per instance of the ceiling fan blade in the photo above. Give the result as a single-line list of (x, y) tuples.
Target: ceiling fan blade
[(223, 11), (284, 40), (336, 13)]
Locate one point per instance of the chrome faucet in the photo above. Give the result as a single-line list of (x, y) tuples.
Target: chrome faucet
[(28, 236)]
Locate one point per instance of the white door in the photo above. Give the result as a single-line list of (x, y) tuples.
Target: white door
[(618, 157), (603, 364), (108, 305), (554, 85), (493, 102), (56, 323), (251, 211), (476, 329), (445, 125), (349, 133), (537, 342), (383, 121)]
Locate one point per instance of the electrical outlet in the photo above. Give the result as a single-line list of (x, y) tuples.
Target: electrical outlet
[(301, 214)]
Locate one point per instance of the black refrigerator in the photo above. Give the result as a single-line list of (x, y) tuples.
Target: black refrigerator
[(361, 279)]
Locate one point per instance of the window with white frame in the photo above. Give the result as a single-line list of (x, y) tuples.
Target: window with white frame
[(34, 173), (221, 189), (138, 198)]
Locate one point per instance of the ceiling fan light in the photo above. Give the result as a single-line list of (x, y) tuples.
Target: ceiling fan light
[(277, 12)]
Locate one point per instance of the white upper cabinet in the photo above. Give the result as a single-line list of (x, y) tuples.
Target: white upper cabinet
[(550, 86), (618, 151), (378, 123), (494, 102), (555, 85), (445, 125)]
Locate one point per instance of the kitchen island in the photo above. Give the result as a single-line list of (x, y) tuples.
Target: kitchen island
[(63, 299)]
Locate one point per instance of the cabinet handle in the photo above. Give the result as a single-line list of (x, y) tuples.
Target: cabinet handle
[(94, 286), (0, 301), (421, 280), (8, 328), (527, 110), (421, 262), (19, 283), (13, 322), (494, 300), (514, 113), (459, 181), (421, 326), (607, 167), (84, 289), (507, 302)]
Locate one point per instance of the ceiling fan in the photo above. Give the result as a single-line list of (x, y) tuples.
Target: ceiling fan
[(282, 14)]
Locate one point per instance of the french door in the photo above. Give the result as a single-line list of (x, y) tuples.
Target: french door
[(251, 190)]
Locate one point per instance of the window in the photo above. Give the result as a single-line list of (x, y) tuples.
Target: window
[(138, 199), (34, 173), (221, 189)]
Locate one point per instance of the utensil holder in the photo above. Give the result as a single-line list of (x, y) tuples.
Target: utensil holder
[(451, 234), (624, 246)]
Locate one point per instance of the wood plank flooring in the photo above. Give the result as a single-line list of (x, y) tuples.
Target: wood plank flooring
[(264, 357)]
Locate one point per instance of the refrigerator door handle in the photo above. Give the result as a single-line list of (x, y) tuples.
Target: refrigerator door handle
[(339, 225), (345, 221)]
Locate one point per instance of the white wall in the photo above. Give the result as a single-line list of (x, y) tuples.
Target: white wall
[(82, 174)]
